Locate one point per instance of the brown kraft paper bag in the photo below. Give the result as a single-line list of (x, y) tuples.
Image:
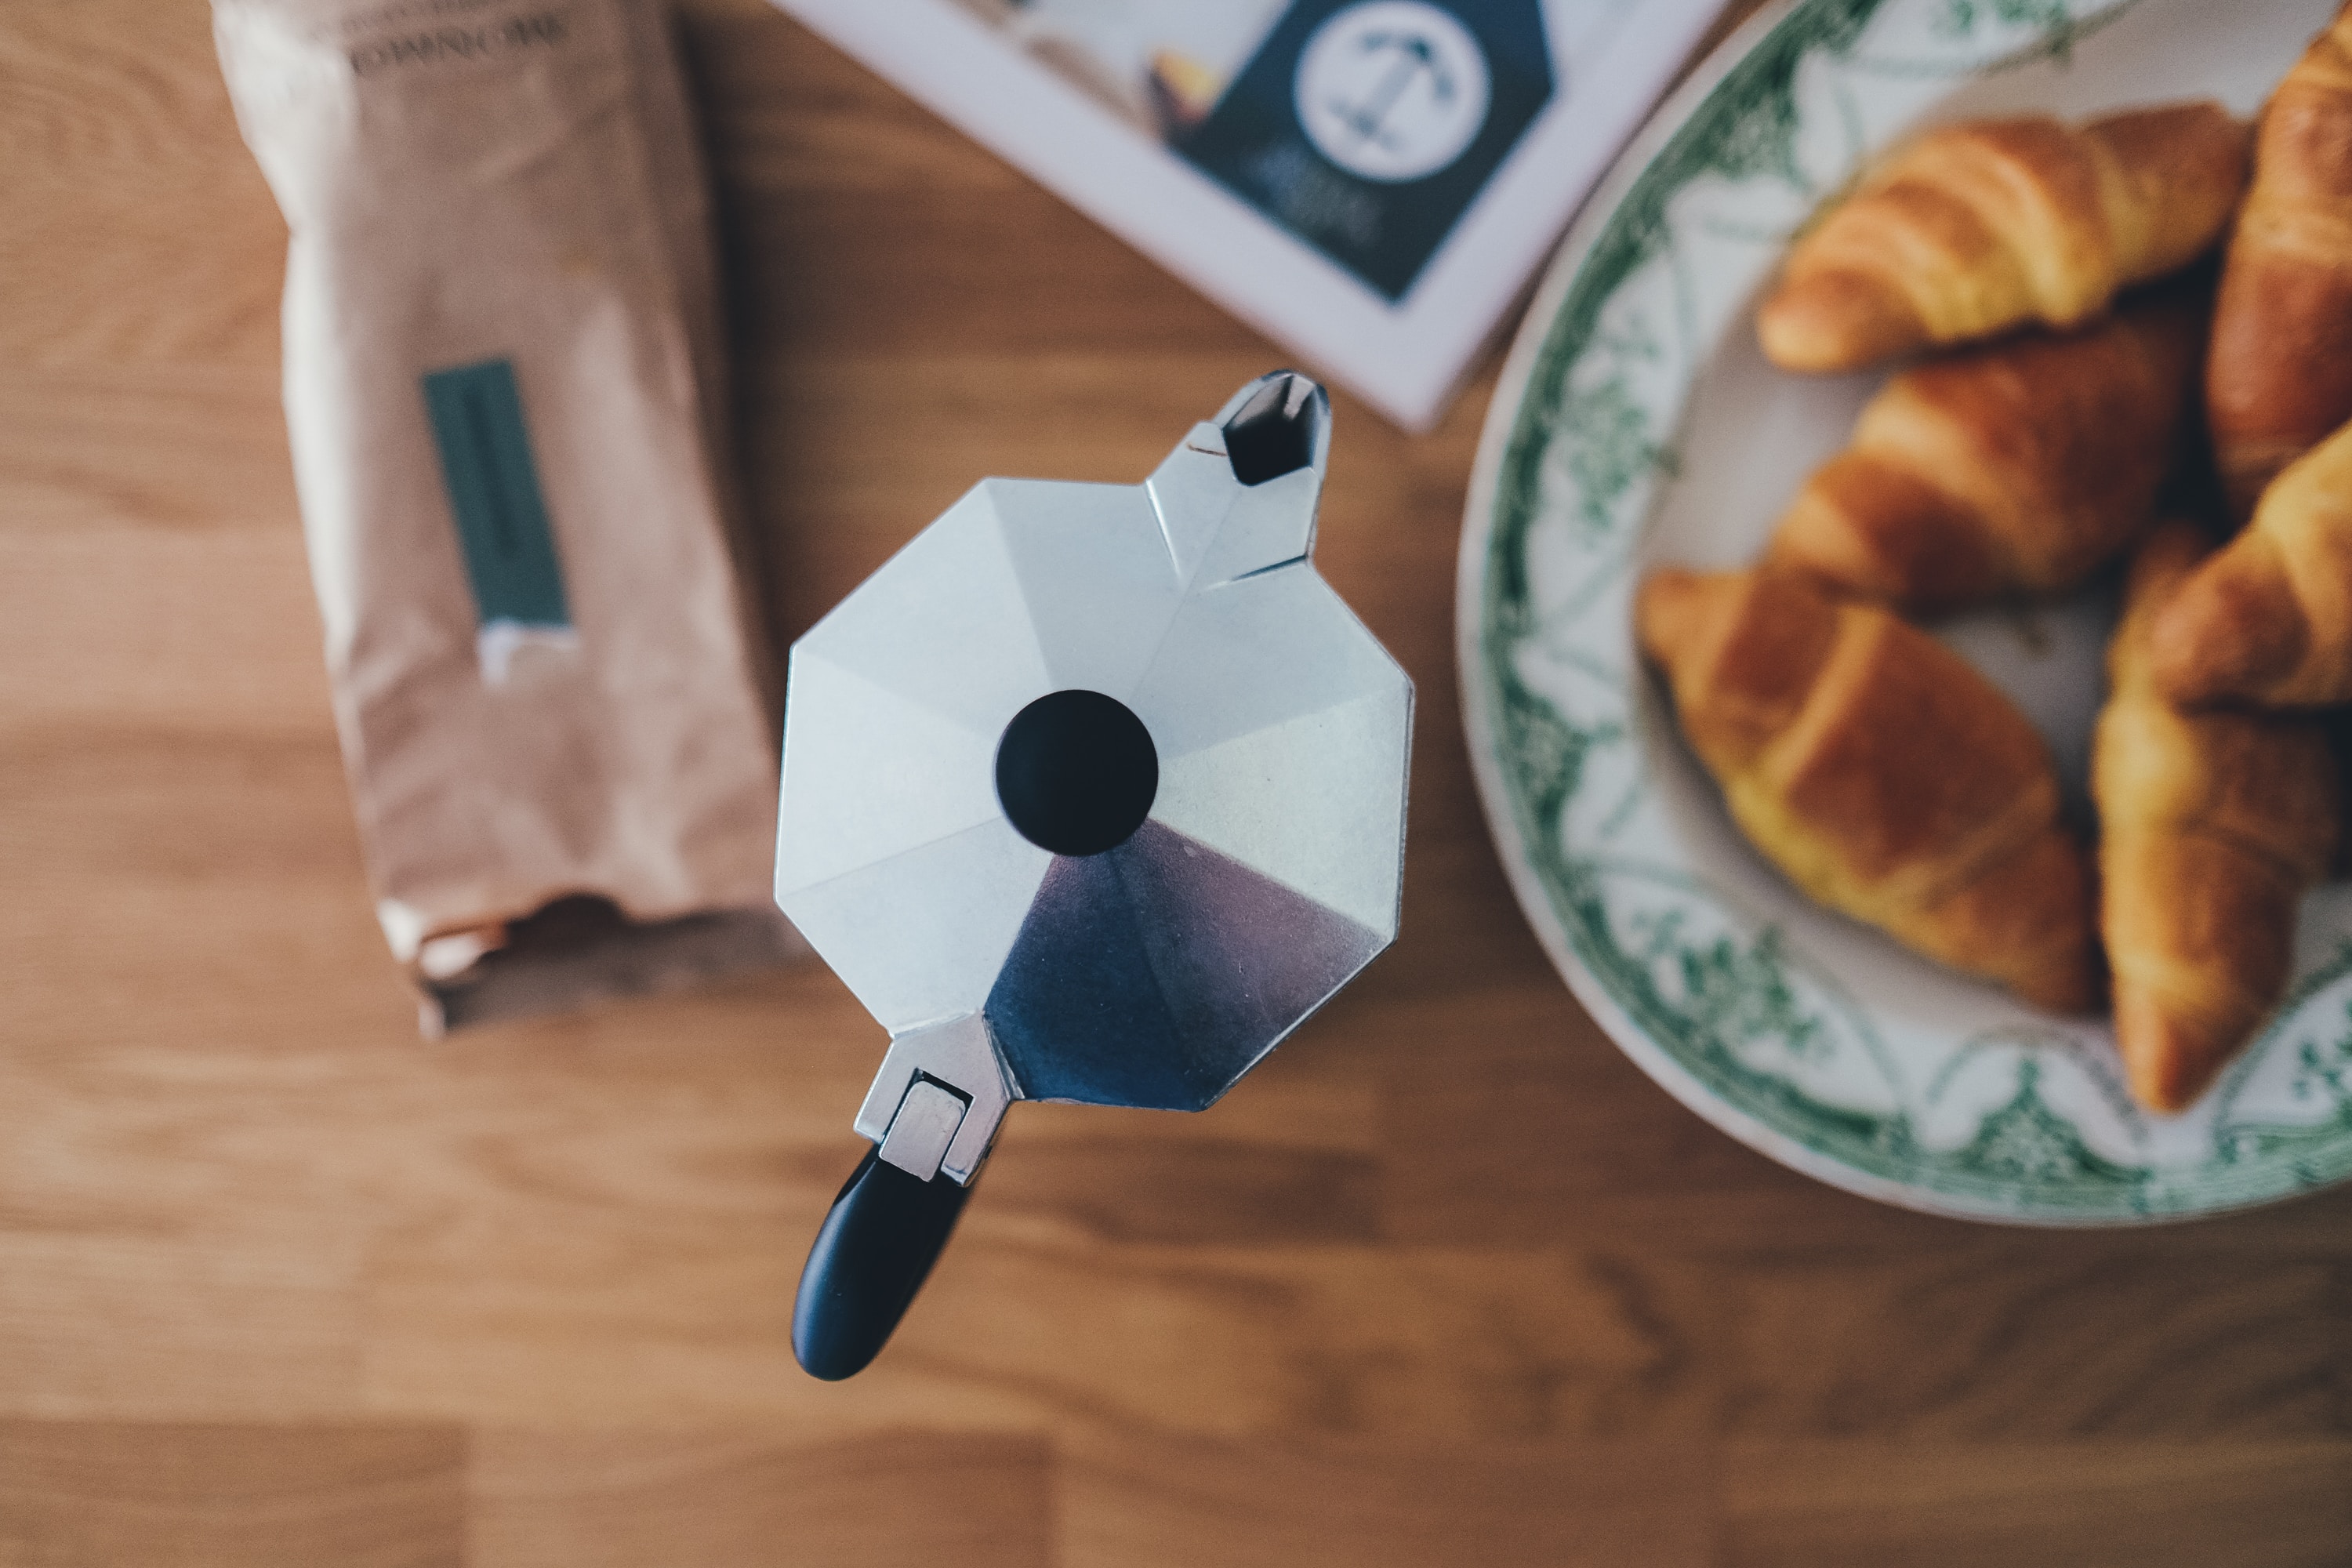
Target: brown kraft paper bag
[(502, 386)]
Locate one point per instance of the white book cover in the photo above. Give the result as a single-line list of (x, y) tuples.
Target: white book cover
[(1369, 183)]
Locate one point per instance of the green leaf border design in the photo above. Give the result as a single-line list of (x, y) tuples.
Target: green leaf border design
[(2026, 1161)]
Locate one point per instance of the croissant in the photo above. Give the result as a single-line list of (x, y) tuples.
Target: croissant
[(2213, 825), (1881, 772), (1993, 223), (2020, 466), (2269, 618), (2279, 375)]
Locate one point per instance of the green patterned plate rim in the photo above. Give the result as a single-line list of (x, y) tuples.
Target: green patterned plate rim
[(1634, 424)]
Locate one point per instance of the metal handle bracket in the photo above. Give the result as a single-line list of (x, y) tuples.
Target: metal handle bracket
[(938, 1098), (924, 1125)]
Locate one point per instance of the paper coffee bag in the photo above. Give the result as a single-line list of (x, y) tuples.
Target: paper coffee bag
[(502, 390)]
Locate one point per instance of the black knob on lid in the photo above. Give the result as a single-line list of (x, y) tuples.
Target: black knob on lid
[(1077, 773)]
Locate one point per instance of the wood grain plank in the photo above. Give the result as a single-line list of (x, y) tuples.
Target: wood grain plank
[(1138, 1501), (113, 624), (207, 1495), (1016, 1331), (234, 909), (2047, 1336), (119, 165), (1531, 1126), (1329, 1340), (139, 1327), (1786, 1307), (1144, 1183), (735, 1499), (178, 446), (2251, 1505), (727, 1126), (782, 109)]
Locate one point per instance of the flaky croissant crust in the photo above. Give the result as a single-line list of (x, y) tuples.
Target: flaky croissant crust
[(1978, 227), (2015, 467), (2279, 371), (1880, 770), (2268, 619), (2213, 828)]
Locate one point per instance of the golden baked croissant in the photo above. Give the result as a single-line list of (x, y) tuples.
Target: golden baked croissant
[(2279, 377), (1980, 226), (2269, 618), (2017, 466), (1881, 772), (2212, 826)]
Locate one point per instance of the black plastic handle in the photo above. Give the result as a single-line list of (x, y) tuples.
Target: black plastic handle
[(871, 1255)]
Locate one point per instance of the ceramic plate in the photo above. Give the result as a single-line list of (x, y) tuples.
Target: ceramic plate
[(1638, 423)]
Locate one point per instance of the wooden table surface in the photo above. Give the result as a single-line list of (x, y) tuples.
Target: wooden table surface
[(1447, 1280)]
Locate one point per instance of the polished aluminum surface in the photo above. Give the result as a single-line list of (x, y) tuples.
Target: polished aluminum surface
[(927, 1118), (1269, 868)]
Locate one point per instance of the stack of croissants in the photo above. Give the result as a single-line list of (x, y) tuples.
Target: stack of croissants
[(2088, 379)]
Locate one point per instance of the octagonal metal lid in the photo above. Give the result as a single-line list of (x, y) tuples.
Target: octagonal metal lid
[(935, 759)]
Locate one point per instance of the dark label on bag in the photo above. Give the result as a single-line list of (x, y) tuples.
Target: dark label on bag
[(494, 495)]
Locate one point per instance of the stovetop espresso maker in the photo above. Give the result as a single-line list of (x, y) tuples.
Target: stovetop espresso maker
[(1092, 792)]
